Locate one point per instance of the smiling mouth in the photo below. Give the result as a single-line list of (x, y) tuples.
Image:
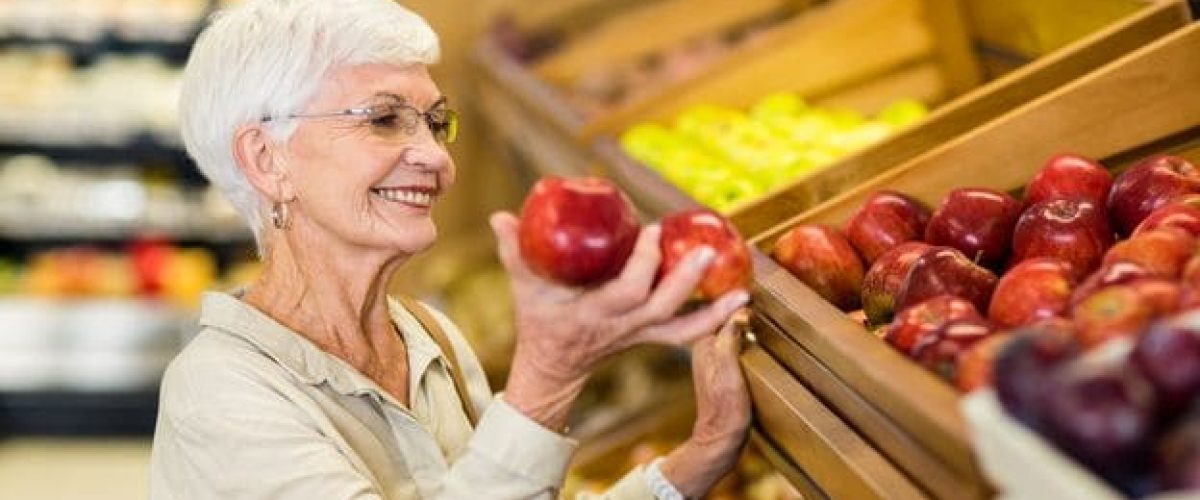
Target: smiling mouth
[(419, 197)]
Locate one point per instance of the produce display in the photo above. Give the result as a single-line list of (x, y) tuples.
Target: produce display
[(722, 157), (580, 232), (1052, 257)]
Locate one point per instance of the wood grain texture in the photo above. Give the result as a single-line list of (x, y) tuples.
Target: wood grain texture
[(779, 460)]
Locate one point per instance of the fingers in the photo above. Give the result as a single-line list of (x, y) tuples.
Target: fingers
[(697, 324), (635, 281), (505, 226), (674, 289)]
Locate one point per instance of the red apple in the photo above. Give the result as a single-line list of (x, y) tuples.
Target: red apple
[(1180, 214), (918, 324), (1074, 231), (1033, 290), (1116, 274), (1113, 312), (940, 352), (1069, 177), (1161, 252), (687, 230), (825, 261), (944, 270), (884, 221), (1024, 366), (978, 222), (884, 280), (1162, 295), (1147, 186), (577, 232), (1169, 355), (974, 368)]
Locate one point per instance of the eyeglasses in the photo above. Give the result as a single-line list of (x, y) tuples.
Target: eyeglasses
[(387, 120)]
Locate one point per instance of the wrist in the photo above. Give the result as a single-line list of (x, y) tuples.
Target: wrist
[(543, 396), (695, 466)]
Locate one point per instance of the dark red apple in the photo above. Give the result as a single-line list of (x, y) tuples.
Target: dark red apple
[(578, 232), (1161, 252), (825, 261), (1074, 231), (1033, 290), (919, 324), (1169, 356), (1115, 274), (974, 368), (1023, 368), (1102, 415), (884, 280), (685, 231), (944, 270), (1181, 213), (976, 221), (1179, 456), (1113, 312), (884, 221), (1148, 185), (1069, 177), (940, 351)]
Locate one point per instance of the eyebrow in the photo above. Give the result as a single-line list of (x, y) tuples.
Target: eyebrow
[(440, 101)]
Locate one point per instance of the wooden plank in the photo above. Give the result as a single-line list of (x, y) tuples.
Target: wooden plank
[(1036, 27), (837, 459), (953, 45), (908, 452), (658, 25), (653, 194), (1136, 100), (922, 81), (963, 114), (803, 484), (829, 47)]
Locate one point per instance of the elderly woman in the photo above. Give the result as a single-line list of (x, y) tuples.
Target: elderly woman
[(319, 121)]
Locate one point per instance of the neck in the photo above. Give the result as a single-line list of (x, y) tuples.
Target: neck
[(333, 295)]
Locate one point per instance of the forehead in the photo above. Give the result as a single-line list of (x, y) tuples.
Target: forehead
[(354, 84)]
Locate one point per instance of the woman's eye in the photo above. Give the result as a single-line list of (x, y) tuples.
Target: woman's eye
[(385, 119)]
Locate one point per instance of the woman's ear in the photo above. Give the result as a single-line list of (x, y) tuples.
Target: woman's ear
[(261, 163)]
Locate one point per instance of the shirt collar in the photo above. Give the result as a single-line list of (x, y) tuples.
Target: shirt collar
[(302, 359)]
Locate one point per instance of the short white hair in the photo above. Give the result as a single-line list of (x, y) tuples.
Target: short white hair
[(268, 58)]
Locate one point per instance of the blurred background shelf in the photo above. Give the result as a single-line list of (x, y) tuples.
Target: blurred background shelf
[(76, 413)]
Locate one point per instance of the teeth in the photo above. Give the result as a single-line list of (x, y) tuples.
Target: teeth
[(404, 196)]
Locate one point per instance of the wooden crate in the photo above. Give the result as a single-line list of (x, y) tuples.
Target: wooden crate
[(862, 54), (522, 105), (1138, 105)]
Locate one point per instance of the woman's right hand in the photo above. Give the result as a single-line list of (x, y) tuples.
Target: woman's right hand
[(564, 332)]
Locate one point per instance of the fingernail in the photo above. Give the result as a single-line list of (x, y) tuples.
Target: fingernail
[(703, 257)]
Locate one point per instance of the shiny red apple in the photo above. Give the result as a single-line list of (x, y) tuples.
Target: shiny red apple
[(1069, 177), (944, 270), (884, 280), (941, 351), (978, 222), (1180, 213), (1161, 252), (1074, 231), (1113, 312), (974, 368), (884, 221), (1148, 185), (1115, 274), (919, 324), (825, 261), (685, 231), (1169, 356), (1033, 290), (577, 232)]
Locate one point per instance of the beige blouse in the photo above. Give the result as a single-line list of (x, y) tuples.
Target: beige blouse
[(251, 409)]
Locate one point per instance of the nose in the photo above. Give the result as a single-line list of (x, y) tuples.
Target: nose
[(430, 156)]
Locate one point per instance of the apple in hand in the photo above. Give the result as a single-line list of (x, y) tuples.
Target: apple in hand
[(1169, 356), (1113, 312), (918, 325), (1161, 252), (944, 270), (884, 221), (1069, 177), (578, 232), (976, 221), (685, 231), (941, 351), (825, 261), (1181, 213), (1074, 231), (1148, 185), (884, 279), (1033, 290)]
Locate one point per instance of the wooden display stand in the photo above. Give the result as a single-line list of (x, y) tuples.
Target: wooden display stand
[(1138, 105)]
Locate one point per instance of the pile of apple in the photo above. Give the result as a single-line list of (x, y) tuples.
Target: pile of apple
[(580, 232), (722, 157)]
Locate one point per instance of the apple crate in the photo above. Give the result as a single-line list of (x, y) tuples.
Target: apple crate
[(529, 115), (1140, 104), (969, 60)]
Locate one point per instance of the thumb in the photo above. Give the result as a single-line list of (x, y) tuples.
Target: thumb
[(505, 226)]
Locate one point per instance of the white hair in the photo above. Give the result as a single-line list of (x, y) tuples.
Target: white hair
[(268, 58)]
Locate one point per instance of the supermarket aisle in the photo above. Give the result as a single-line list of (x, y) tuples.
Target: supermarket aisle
[(67, 469)]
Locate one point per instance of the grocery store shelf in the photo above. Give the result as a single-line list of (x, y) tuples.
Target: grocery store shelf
[(66, 413), (84, 52)]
